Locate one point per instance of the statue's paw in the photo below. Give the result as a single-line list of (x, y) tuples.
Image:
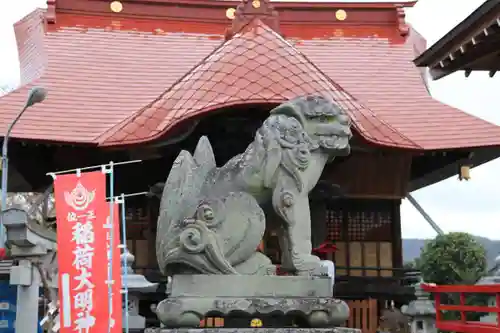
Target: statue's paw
[(178, 313), (270, 270), (309, 265), (258, 264)]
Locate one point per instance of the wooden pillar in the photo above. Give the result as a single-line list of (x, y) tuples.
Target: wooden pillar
[(153, 207), (397, 242), (346, 239), (319, 230)]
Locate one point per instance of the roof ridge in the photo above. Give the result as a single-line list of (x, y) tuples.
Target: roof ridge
[(248, 10)]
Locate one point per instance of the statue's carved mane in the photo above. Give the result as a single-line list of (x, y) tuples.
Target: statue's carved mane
[(287, 145), (284, 138)]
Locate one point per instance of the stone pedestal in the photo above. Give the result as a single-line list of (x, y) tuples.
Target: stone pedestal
[(255, 330), (194, 297), (137, 285)]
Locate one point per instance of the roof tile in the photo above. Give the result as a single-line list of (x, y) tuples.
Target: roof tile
[(379, 72), (97, 76), (101, 71), (256, 65)]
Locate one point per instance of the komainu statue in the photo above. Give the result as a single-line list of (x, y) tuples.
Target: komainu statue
[(212, 219)]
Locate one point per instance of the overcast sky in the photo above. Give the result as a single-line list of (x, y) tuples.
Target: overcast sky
[(472, 206)]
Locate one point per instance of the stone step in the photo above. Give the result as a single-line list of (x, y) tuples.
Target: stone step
[(254, 330)]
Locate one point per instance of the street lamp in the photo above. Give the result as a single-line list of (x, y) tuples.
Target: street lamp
[(36, 95)]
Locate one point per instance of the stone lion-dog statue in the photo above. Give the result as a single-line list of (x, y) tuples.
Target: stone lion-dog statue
[(212, 220)]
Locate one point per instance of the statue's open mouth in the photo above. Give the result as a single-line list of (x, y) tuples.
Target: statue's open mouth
[(338, 145)]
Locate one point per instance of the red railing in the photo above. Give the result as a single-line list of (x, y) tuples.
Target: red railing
[(463, 325)]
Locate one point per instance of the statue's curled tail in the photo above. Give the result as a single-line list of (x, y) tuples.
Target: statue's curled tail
[(198, 233)]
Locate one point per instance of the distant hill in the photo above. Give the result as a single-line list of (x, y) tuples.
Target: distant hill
[(412, 246)]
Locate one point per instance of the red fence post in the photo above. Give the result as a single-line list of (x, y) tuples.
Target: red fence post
[(437, 305), (462, 302)]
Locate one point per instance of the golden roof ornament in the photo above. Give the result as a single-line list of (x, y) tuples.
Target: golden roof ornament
[(248, 10), (341, 15), (116, 6), (230, 13)]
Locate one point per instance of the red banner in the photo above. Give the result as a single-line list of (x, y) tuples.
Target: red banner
[(82, 241)]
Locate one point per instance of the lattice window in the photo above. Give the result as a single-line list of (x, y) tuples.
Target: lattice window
[(138, 215), (138, 220), (334, 224), (381, 227), (355, 228), (366, 221), (366, 225)]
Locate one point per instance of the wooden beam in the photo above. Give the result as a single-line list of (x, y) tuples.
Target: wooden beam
[(480, 156), (483, 17), (370, 288), (476, 54)]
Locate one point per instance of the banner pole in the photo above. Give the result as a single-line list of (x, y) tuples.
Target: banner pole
[(123, 196), (124, 263), (100, 166), (110, 171)]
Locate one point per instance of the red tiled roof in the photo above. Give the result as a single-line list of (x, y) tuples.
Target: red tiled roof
[(380, 73), (104, 72), (255, 66), (97, 74)]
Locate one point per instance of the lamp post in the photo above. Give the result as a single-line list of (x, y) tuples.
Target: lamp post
[(36, 95)]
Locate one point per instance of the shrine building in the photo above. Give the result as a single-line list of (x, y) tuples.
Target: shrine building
[(145, 79)]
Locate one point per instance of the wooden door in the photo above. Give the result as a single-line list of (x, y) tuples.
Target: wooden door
[(364, 315), (365, 233)]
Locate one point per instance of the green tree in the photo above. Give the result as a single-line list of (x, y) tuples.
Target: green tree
[(453, 258)]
